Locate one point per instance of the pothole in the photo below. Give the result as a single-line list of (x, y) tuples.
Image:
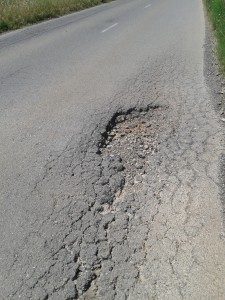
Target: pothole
[(132, 138)]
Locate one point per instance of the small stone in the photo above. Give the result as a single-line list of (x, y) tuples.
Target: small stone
[(141, 155), (146, 147), (120, 119), (131, 181), (132, 126), (138, 179), (138, 166), (112, 133)]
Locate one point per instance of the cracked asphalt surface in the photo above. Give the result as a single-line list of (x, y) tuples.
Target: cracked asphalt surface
[(110, 153)]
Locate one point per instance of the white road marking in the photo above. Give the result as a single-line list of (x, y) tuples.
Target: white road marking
[(110, 27), (147, 5)]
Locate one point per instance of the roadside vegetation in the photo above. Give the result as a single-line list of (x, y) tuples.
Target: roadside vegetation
[(18, 13), (216, 10)]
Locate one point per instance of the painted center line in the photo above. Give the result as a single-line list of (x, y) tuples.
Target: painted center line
[(110, 27), (147, 5)]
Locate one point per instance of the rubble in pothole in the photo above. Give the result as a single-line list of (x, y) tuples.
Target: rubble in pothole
[(132, 139)]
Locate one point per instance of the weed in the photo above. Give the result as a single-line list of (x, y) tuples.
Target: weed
[(216, 9), (18, 13)]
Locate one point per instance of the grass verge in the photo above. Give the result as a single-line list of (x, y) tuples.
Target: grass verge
[(216, 10), (15, 14)]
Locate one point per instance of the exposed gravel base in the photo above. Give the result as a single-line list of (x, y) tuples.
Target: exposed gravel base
[(134, 139)]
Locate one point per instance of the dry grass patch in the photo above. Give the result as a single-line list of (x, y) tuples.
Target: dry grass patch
[(17, 13), (216, 10)]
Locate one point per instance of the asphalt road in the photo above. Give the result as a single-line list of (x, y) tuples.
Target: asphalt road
[(62, 235)]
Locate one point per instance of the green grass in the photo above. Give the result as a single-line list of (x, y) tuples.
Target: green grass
[(15, 14), (216, 9)]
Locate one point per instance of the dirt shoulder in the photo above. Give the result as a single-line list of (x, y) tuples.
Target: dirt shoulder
[(216, 82)]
